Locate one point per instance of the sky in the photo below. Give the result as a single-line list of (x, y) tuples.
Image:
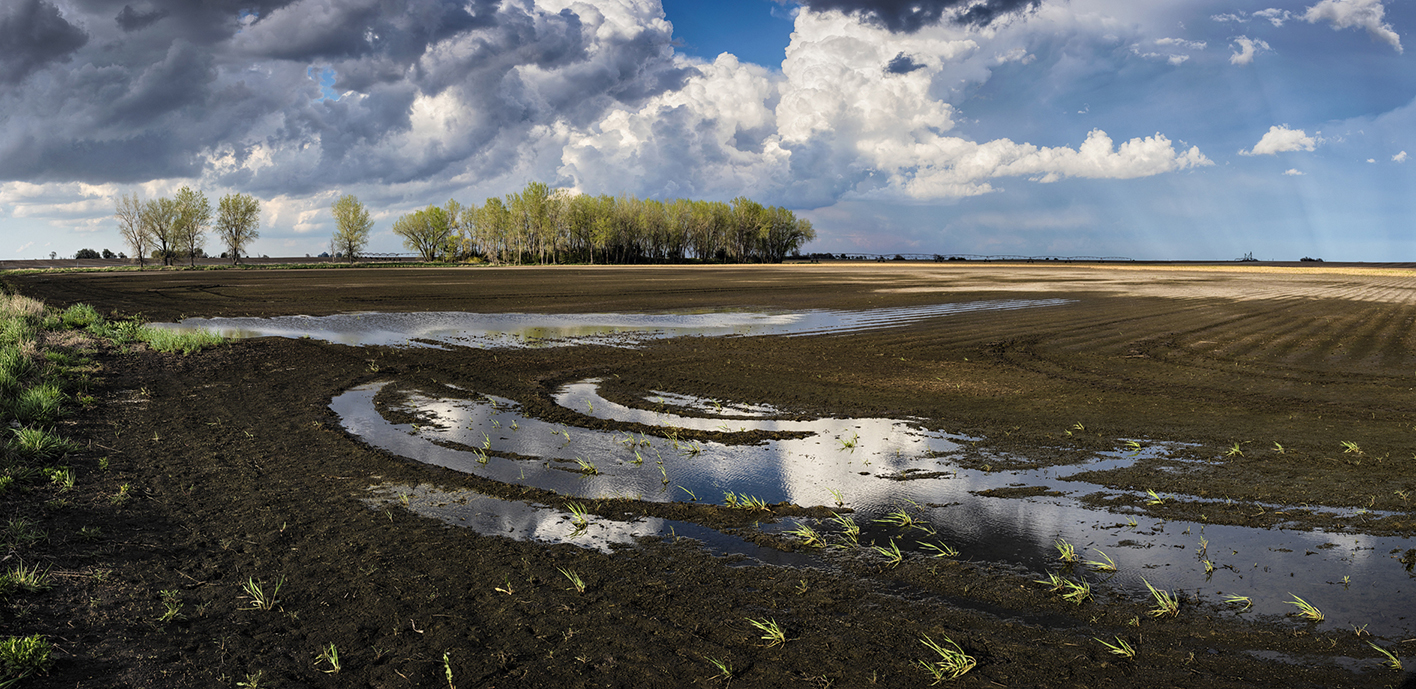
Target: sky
[(1185, 129)]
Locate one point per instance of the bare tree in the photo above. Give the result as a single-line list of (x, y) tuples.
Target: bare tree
[(193, 219), (136, 233), (238, 219), (352, 225)]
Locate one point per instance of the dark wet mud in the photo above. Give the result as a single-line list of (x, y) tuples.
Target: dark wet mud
[(239, 469)]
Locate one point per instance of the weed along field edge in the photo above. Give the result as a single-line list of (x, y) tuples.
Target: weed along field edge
[(1128, 476)]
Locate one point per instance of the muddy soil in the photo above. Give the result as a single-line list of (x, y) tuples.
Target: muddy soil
[(236, 470)]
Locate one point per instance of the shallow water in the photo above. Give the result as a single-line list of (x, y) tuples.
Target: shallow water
[(861, 462), (444, 328)]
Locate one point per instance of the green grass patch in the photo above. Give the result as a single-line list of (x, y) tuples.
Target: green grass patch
[(23, 656)]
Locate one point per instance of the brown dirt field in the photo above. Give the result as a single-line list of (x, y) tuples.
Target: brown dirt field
[(237, 469)]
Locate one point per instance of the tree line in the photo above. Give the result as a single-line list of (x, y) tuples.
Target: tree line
[(168, 229), (544, 225)]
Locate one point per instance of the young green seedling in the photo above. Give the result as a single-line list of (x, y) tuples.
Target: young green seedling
[(1108, 566), (576, 582), (1306, 609), (892, 553), (1166, 603), (952, 662), (1121, 648), (771, 631), (1392, 661)]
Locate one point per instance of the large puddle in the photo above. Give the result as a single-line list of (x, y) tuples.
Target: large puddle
[(455, 328), (898, 481)]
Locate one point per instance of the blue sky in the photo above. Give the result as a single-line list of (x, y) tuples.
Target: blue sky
[(1179, 130)]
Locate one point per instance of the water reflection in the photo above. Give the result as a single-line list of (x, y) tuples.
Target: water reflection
[(440, 328), (532, 522), (879, 466)]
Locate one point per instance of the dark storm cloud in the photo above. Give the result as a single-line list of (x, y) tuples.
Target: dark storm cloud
[(902, 64), (165, 88), (33, 34), (909, 16), (130, 19)]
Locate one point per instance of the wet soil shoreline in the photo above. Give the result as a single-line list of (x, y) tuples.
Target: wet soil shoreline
[(240, 470)]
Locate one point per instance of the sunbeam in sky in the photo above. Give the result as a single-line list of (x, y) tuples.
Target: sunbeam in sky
[(1180, 130)]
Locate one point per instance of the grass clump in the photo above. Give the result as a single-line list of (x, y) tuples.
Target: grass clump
[(952, 662), (1306, 609), (23, 656), (1166, 603), (37, 443)]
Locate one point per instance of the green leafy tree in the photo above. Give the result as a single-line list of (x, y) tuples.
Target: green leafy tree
[(193, 220), (352, 226), (238, 222), (425, 231), (159, 216)]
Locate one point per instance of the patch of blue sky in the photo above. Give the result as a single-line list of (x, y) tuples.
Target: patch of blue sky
[(756, 31), (325, 77)]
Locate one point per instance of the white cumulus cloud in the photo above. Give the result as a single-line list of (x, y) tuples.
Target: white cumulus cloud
[(1349, 14), (1293, 172), (1281, 139), (1248, 48), (1399, 158)]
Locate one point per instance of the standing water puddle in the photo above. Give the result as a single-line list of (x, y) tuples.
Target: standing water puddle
[(437, 328), (877, 467)]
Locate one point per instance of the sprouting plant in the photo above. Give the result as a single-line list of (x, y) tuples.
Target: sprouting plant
[(261, 599), (1204, 547), (514, 427), (587, 467), (1066, 552), (1108, 566), (837, 496), (940, 549), (505, 587), (1121, 648), (172, 606), (849, 528), (1166, 603), (899, 518), (575, 581), (121, 496), (30, 579), (1234, 451), (771, 631), (638, 458), (808, 536), (1392, 661), (725, 669), (1155, 498), (1240, 600), (578, 514), (691, 496), (1131, 522), (1134, 447), (447, 669), (1209, 567), (1349, 447), (253, 680), (329, 654), (892, 553), (1278, 447), (952, 662), (1077, 591), (744, 502), (1056, 582), (850, 444), (1306, 609)]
